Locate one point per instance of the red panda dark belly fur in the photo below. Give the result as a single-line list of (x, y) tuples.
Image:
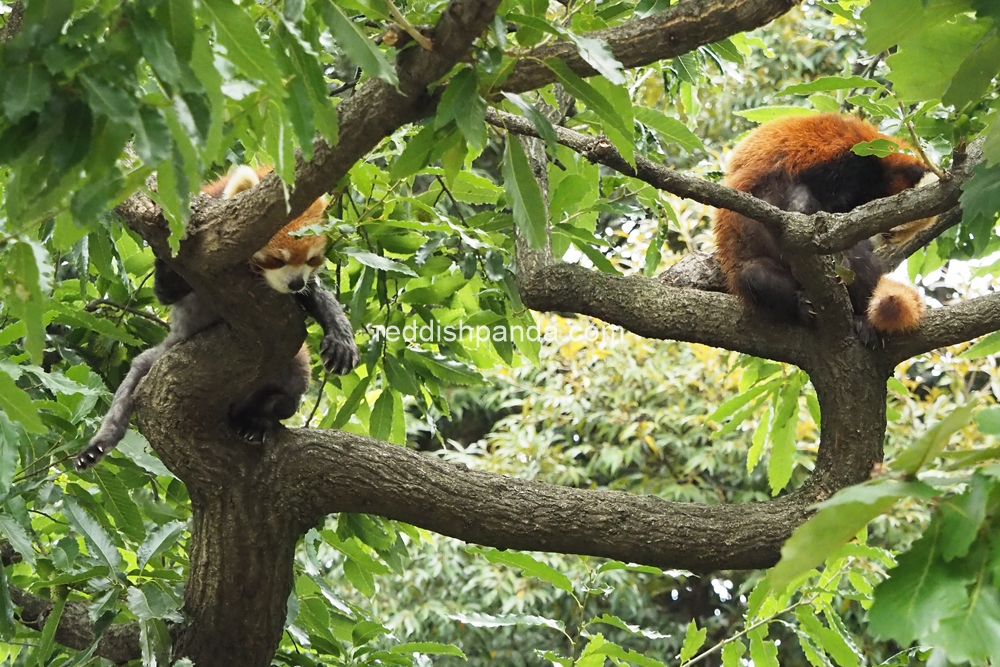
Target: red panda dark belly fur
[(805, 164)]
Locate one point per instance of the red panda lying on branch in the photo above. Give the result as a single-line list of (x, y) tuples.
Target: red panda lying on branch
[(288, 263), (805, 164)]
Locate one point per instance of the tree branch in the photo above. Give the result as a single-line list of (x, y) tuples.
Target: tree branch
[(331, 471), (948, 326), (119, 643), (676, 31), (650, 308)]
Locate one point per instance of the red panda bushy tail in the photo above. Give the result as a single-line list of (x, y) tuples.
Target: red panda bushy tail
[(895, 307)]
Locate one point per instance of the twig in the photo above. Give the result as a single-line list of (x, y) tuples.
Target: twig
[(93, 305), (417, 36), (319, 398), (936, 170)]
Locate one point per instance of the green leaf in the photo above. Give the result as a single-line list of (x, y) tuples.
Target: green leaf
[(28, 264), (361, 50), (523, 194), (988, 421), (735, 403), (981, 195), (28, 87), (154, 641), (526, 564), (451, 372), (782, 433), (972, 635), (764, 114), (826, 83), (156, 47), (40, 655), (380, 421), (400, 377), (616, 127), (694, 639), (379, 262), (732, 652), (360, 578), (17, 405), (598, 55), (18, 538), (919, 454), (827, 638), (984, 347), (7, 625), (430, 648), (236, 31), (763, 652), (98, 541), (891, 22), (159, 541), (414, 157), (727, 50), (462, 103), (541, 123), (920, 592), (119, 504), (352, 403), (926, 63), (839, 519), (962, 517), (878, 147), (152, 136), (177, 19), (473, 189), (671, 129), (150, 601), (110, 100), (505, 620), (686, 66)]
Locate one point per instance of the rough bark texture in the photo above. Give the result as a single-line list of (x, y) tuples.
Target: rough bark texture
[(251, 504), (639, 42)]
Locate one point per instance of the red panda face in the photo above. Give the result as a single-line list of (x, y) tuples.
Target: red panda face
[(288, 267), (287, 262)]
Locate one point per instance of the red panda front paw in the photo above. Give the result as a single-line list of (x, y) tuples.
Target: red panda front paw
[(866, 333), (339, 355), (806, 312)]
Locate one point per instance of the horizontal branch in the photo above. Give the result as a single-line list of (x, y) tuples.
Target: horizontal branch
[(949, 326), (652, 309), (676, 31), (119, 643), (330, 471)]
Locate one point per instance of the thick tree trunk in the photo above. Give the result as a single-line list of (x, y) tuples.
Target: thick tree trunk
[(240, 577)]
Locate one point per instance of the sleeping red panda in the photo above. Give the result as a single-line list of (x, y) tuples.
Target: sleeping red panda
[(287, 261), (805, 164), (288, 264)]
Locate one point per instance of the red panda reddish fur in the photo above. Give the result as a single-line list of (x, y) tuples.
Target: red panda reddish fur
[(805, 164), (283, 248)]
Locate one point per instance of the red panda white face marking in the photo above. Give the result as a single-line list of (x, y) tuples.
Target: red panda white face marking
[(286, 272), (286, 262)]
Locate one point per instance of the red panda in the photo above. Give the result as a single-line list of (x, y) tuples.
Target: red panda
[(805, 164), (288, 264)]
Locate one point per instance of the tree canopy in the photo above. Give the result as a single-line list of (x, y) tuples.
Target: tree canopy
[(518, 228)]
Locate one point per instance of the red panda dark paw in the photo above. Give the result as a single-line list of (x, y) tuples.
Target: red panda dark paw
[(867, 334), (339, 355), (806, 312)]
